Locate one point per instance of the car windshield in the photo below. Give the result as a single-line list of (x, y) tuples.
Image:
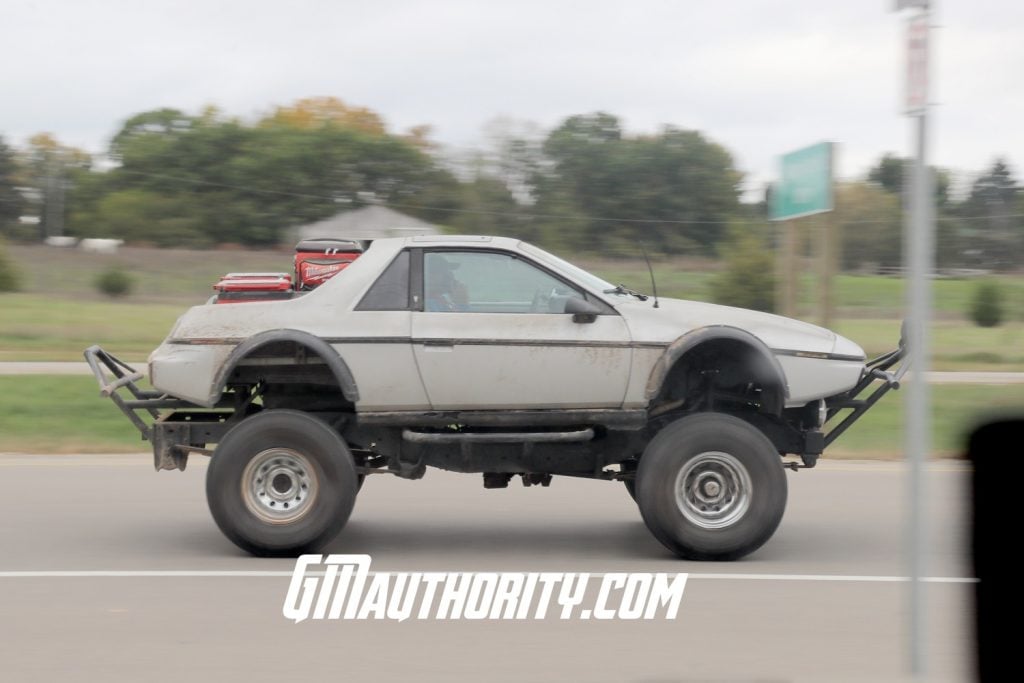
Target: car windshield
[(576, 273)]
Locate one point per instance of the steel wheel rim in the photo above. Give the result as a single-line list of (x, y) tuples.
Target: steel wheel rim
[(713, 490), (279, 486)]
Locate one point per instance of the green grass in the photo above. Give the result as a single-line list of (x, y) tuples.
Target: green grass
[(955, 345), (856, 296), (878, 297), (36, 327), (185, 276), (60, 313), (180, 276), (680, 279), (955, 410), (48, 414)]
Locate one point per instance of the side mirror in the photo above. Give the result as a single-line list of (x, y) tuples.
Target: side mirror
[(582, 310)]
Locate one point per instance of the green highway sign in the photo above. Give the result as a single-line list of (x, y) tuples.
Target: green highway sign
[(805, 183)]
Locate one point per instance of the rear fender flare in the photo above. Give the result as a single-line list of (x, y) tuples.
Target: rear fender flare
[(337, 365)]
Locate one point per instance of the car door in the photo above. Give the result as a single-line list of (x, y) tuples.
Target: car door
[(490, 331), (375, 342)]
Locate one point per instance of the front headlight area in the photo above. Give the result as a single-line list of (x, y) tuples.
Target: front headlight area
[(847, 349), (809, 417)]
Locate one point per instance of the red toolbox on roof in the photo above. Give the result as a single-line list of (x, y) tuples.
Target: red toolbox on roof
[(239, 287), (318, 260)]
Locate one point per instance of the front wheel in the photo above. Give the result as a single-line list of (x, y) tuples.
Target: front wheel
[(711, 487), (281, 483)]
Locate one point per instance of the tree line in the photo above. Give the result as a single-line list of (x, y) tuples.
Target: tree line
[(177, 179)]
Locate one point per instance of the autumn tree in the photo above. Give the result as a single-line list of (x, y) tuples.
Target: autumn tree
[(200, 179), (315, 112)]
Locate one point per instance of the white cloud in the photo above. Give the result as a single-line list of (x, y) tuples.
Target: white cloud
[(759, 77)]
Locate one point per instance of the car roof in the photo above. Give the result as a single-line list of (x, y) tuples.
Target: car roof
[(459, 241), (478, 241), (462, 241)]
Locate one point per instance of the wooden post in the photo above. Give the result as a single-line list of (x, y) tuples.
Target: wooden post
[(790, 269), (827, 239), (780, 266)]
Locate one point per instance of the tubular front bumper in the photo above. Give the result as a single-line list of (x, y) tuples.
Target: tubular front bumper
[(879, 375)]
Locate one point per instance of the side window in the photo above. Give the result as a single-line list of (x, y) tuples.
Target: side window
[(391, 290), (487, 282)]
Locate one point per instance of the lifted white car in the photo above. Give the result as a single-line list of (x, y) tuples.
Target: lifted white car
[(489, 355)]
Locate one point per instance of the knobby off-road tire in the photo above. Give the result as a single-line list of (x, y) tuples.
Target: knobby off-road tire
[(281, 483), (711, 487)]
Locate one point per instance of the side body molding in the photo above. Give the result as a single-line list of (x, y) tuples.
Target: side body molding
[(694, 338), (318, 346)]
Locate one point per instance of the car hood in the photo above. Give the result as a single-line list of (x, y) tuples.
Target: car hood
[(674, 317)]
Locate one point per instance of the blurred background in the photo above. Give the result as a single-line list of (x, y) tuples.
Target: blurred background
[(146, 150)]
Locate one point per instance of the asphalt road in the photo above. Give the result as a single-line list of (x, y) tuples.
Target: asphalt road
[(821, 601)]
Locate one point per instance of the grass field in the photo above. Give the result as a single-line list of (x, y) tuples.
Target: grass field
[(49, 414), (955, 345), (179, 276), (39, 327), (857, 296), (58, 313), (185, 276), (46, 414), (955, 410)]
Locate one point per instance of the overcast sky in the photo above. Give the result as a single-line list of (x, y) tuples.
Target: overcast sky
[(761, 78)]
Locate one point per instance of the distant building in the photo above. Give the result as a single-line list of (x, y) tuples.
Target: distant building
[(369, 222)]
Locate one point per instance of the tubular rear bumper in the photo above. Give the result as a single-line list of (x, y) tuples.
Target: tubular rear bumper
[(173, 433)]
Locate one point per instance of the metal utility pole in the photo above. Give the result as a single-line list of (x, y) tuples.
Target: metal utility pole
[(919, 259)]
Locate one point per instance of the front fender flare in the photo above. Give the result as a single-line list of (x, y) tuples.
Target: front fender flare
[(337, 365), (694, 338)]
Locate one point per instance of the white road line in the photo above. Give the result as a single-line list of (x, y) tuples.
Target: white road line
[(255, 574), (832, 577)]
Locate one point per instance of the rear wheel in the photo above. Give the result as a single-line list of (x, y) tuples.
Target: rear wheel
[(711, 487), (281, 483)]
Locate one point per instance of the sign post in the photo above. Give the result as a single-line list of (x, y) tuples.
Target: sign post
[(804, 189), (919, 261)]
